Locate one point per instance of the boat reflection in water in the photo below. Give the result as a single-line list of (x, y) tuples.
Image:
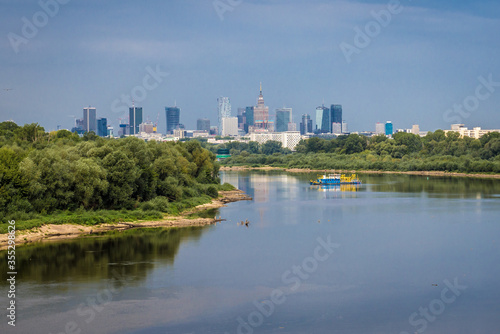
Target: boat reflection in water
[(338, 187)]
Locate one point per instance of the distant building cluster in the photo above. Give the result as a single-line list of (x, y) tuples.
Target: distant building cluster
[(253, 123), (475, 133)]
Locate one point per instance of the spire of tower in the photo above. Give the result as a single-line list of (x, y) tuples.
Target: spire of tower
[(261, 88)]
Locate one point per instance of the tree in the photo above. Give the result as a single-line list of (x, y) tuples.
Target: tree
[(271, 147)]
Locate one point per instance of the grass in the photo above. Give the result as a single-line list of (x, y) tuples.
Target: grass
[(155, 209)]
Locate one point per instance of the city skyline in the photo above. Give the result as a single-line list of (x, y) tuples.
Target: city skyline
[(412, 68)]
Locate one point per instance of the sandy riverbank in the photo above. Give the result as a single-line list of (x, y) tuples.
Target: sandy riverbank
[(299, 170), (53, 232)]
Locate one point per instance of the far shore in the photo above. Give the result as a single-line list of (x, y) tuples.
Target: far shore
[(306, 170), (55, 232)]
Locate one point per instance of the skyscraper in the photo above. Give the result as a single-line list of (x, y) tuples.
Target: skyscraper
[(306, 125), (102, 127), (224, 110), (241, 118), (173, 116), (135, 119), (336, 115), (379, 128), (283, 117), (89, 119), (261, 114), (203, 124), (323, 124), (248, 118), (389, 129)]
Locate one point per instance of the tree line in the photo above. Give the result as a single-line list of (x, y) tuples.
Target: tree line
[(43, 172), (437, 151)]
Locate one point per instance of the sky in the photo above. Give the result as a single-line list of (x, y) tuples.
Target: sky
[(432, 63)]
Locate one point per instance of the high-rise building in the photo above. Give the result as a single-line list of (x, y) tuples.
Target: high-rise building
[(248, 118), (102, 127), (323, 124), (389, 128), (89, 119), (241, 118), (134, 119), (261, 114), (229, 126), (283, 117), (292, 126), (224, 110), (336, 115), (203, 124), (306, 124), (415, 129), (173, 116), (379, 128)]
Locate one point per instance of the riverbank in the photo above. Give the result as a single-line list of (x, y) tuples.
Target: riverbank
[(300, 170), (55, 232)]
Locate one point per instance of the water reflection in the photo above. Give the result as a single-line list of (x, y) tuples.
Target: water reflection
[(131, 252), (255, 183)]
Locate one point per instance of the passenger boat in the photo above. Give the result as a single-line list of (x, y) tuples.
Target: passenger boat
[(335, 179)]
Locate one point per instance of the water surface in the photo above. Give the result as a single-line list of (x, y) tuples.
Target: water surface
[(406, 254)]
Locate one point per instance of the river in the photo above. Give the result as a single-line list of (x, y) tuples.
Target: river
[(397, 254)]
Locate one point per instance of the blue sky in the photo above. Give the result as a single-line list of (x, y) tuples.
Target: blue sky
[(424, 60)]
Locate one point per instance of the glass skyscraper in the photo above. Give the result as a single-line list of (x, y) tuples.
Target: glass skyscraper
[(306, 126), (173, 116), (89, 119), (336, 115), (283, 117), (102, 127), (389, 130), (203, 124), (135, 118), (224, 110), (323, 124)]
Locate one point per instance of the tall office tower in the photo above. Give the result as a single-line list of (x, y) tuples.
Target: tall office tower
[(134, 119), (379, 128), (306, 124), (283, 117), (229, 126), (203, 124), (415, 129), (323, 124), (336, 114), (241, 118), (336, 128), (261, 114), (173, 116), (102, 127), (224, 110), (89, 119), (389, 129), (248, 118)]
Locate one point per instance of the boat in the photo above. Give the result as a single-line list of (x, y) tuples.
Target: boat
[(336, 179)]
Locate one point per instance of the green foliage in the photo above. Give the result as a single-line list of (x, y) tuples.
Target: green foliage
[(41, 173), (436, 151)]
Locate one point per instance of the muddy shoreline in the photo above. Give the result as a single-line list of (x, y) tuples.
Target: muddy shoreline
[(54, 232), (300, 170)]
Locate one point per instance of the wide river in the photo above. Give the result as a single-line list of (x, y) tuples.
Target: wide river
[(398, 254)]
